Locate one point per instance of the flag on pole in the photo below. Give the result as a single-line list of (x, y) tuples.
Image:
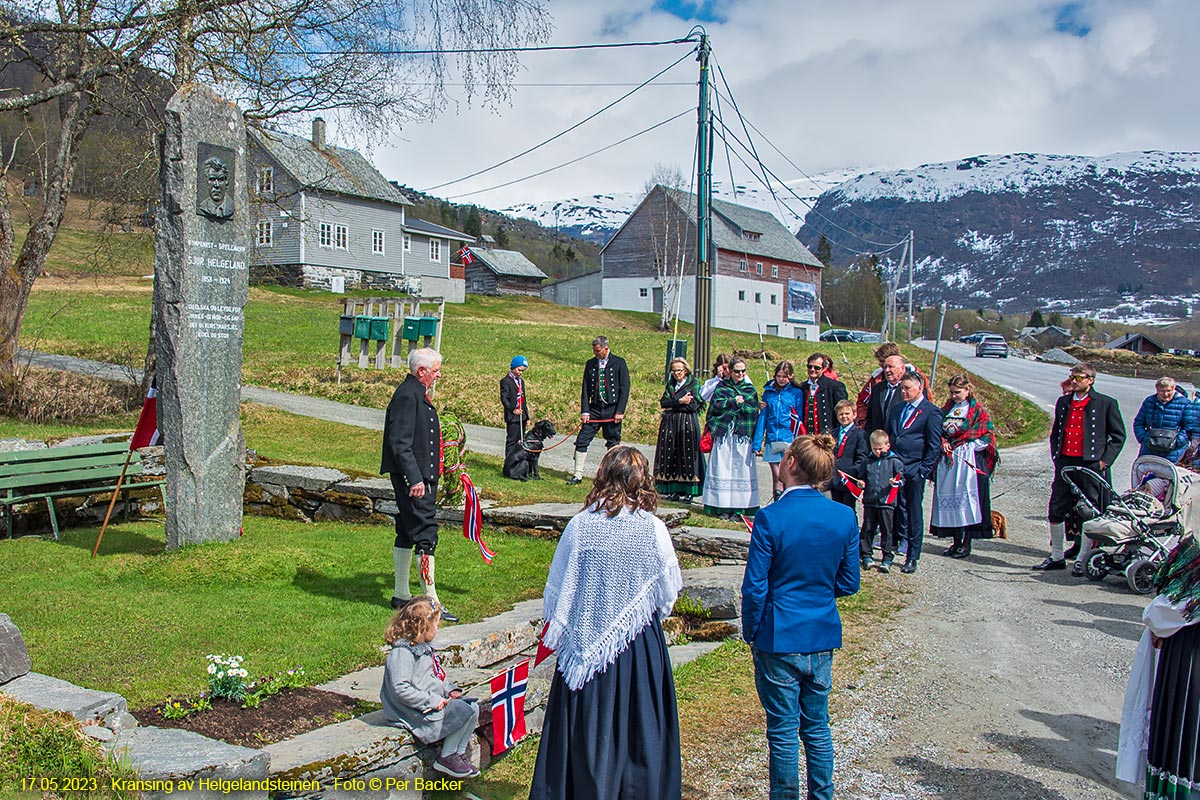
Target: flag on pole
[(465, 255), (473, 517), (146, 432), (508, 707), (543, 652), (851, 487)]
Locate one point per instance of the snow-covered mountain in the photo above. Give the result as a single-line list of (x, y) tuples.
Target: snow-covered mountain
[(598, 216), (1118, 235)]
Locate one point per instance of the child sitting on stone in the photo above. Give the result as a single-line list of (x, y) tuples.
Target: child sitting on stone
[(416, 694)]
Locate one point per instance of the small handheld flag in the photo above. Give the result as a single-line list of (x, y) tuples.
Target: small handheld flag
[(851, 487), (508, 707), (543, 652), (794, 423), (473, 518), (749, 523), (146, 432)]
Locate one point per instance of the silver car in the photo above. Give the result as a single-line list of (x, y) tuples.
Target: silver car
[(991, 345)]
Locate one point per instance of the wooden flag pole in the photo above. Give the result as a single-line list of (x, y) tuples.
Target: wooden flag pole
[(113, 502)]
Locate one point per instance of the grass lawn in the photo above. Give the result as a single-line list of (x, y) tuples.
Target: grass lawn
[(291, 342)]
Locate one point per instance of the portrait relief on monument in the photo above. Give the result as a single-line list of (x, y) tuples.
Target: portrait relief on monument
[(215, 170)]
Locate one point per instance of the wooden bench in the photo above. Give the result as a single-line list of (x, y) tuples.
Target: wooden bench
[(31, 475)]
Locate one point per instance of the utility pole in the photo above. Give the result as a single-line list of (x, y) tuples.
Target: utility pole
[(910, 285), (701, 357)]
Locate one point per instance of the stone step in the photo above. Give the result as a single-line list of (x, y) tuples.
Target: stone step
[(555, 516), (715, 542), (165, 758), (717, 588), (43, 691)]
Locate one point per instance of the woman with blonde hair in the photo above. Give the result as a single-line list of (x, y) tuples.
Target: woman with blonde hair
[(611, 729), (962, 505), (678, 466)]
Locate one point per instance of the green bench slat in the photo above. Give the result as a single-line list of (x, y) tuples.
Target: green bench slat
[(125, 486), (57, 479), (68, 465), (57, 453)]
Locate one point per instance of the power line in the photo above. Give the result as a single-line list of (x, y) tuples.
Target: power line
[(473, 50), (575, 160), (562, 133)]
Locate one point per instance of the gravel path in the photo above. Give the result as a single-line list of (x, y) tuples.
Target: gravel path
[(996, 681)]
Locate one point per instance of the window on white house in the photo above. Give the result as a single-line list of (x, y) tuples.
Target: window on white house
[(774, 300), (643, 292), (407, 243), (742, 265), (326, 235), (758, 297), (774, 270), (741, 294), (266, 234), (435, 250), (266, 180), (377, 242), (341, 237), (758, 267)]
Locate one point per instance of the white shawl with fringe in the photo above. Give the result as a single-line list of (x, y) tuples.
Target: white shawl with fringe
[(609, 576)]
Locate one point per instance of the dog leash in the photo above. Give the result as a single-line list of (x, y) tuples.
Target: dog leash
[(565, 437)]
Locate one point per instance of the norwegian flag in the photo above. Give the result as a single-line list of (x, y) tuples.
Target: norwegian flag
[(466, 256), (794, 423), (146, 432), (543, 652), (473, 518), (508, 707), (438, 670), (851, 487), (749, 523)]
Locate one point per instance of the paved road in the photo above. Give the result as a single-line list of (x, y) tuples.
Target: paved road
[(1039, 382)]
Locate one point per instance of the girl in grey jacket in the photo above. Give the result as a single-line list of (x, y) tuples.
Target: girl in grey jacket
[(416, 693)]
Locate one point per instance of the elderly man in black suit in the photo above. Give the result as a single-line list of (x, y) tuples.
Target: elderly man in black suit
[(915, 429), (412, 453), (1087, 432), (821, 393), (604, 394), (885, 395), (516, 408)]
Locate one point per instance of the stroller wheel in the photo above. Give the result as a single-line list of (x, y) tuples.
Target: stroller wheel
[(1096, 568), (1140, 576)]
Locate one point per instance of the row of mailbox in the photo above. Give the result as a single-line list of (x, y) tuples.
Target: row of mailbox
[(376, 329)]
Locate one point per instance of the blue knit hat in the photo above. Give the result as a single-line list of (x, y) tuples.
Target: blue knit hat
[(519, 361)]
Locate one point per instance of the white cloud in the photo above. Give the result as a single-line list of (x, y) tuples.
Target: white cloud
[(861, 82)]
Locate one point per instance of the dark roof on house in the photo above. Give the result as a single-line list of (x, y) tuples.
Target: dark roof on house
[(589, 274), (731, 221), (431, 229), (335, 170), (507, 262), (1130, 338)]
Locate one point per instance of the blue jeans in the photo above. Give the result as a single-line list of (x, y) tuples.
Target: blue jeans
[(794, 691)]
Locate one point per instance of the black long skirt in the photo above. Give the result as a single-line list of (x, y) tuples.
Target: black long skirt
[(678, 465), (1174, 756), (617, 738)]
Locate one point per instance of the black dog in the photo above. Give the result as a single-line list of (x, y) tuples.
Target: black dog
[(523, 464)]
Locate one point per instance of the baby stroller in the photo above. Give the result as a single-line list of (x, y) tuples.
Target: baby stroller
[(1136, 530)]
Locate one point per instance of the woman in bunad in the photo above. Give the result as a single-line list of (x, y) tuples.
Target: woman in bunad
[(678, 466), (962, 505), (731, 485)]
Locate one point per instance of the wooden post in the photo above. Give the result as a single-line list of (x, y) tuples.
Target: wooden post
[(397, 329), (368, 309), (112, 502), (346, 338)]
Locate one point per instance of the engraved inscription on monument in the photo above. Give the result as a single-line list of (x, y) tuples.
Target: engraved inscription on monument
[(214, 181)]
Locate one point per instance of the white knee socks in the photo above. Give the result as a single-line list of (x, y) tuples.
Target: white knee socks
[(428, 587), (402, 562), (1058, 533), (580, 460)]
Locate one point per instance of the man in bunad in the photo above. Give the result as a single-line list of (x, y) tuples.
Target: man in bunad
[(604, 395), (821, 393), (1087, 432)]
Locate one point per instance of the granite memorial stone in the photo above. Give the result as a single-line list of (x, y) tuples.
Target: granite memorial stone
[(14, 655), (200, 289)]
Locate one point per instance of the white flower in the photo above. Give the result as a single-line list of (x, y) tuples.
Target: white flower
[(212, 668)]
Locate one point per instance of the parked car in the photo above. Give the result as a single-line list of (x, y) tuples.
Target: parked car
[(839, 335), (991, 345), (973, 338), (871, 337)]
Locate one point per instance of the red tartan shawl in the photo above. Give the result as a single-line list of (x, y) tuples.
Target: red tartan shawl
[(979, 426)]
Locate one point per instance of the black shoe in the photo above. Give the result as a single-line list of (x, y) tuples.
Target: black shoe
[(1072, 551), (953, 550), (885, 566), (397, 602), (447, 616), (1077, 570), (909, 567), (962, 552), (571, 481), (1051, 564)]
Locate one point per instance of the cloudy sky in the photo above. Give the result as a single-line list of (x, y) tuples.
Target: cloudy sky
[(833, 85)]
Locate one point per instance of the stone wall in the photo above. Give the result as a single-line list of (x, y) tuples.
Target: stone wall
[(306, 276)]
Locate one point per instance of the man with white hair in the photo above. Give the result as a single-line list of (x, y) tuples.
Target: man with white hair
[(412, 444)]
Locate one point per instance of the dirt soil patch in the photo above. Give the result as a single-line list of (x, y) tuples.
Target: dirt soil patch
[(278, 717)]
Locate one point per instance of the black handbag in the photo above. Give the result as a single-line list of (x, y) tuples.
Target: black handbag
[(1162, 440)]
